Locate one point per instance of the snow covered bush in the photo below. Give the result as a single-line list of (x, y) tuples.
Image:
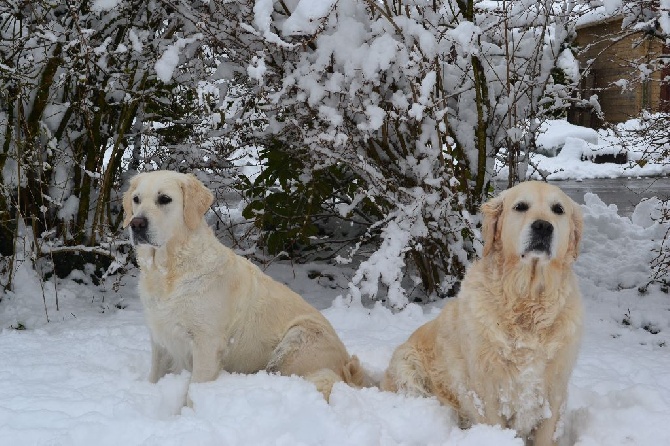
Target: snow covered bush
[(390, 114), (81, 86), (412, 99)]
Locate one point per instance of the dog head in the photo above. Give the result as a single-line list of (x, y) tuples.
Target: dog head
[(533, 220), (161, 205)]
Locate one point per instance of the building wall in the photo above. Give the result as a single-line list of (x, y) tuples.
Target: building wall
[(615, 64)]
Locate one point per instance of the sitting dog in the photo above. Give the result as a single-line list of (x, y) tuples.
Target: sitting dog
[(209, 309), (502, 352)]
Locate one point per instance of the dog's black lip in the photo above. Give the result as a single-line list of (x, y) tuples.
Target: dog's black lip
[(140, 238), (540, 246)]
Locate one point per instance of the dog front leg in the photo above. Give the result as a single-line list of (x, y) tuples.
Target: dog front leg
[(558, 371), (160, 362), (545, 433), (493, 413), (477, 410), (206, 363)]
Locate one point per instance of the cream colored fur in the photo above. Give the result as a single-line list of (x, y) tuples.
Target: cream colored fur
[(209, 309), (502, 352)]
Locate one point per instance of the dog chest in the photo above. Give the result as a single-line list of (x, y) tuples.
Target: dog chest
[(523, 396), (511, 368), (173, 320), (169, 321)]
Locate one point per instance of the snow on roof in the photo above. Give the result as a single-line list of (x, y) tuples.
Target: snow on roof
[(598, 16)]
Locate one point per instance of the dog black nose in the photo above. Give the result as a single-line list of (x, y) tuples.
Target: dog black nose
[(138, 223), (542, 227)]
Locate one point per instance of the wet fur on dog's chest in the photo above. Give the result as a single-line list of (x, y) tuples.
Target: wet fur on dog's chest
[(519, 358), (520, 341)]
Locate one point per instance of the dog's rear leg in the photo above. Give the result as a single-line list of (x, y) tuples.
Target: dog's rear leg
[(308, 350), (406, 373)]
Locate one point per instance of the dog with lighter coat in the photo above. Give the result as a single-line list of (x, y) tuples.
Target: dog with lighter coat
[(209, 309), (502, 352)]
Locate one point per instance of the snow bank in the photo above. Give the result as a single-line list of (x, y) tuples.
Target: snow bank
[(617, 253)]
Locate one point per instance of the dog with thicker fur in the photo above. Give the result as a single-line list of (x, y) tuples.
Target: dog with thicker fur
[(209, 309), (502, 352)]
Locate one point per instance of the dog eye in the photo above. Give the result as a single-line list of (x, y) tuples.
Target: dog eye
[(164, 199), (557, 209), (136, 199), (522, 206)]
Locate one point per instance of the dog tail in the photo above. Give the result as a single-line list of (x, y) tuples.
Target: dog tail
[(351, 374)]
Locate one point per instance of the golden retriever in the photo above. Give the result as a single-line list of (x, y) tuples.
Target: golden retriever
[(209, 309), (502, 352)]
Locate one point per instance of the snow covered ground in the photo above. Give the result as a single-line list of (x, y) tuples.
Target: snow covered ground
[(81, 379)]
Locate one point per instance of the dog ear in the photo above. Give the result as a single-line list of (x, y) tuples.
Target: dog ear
[(128, 201), (492, 210), (577, 227), (197, 199)]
